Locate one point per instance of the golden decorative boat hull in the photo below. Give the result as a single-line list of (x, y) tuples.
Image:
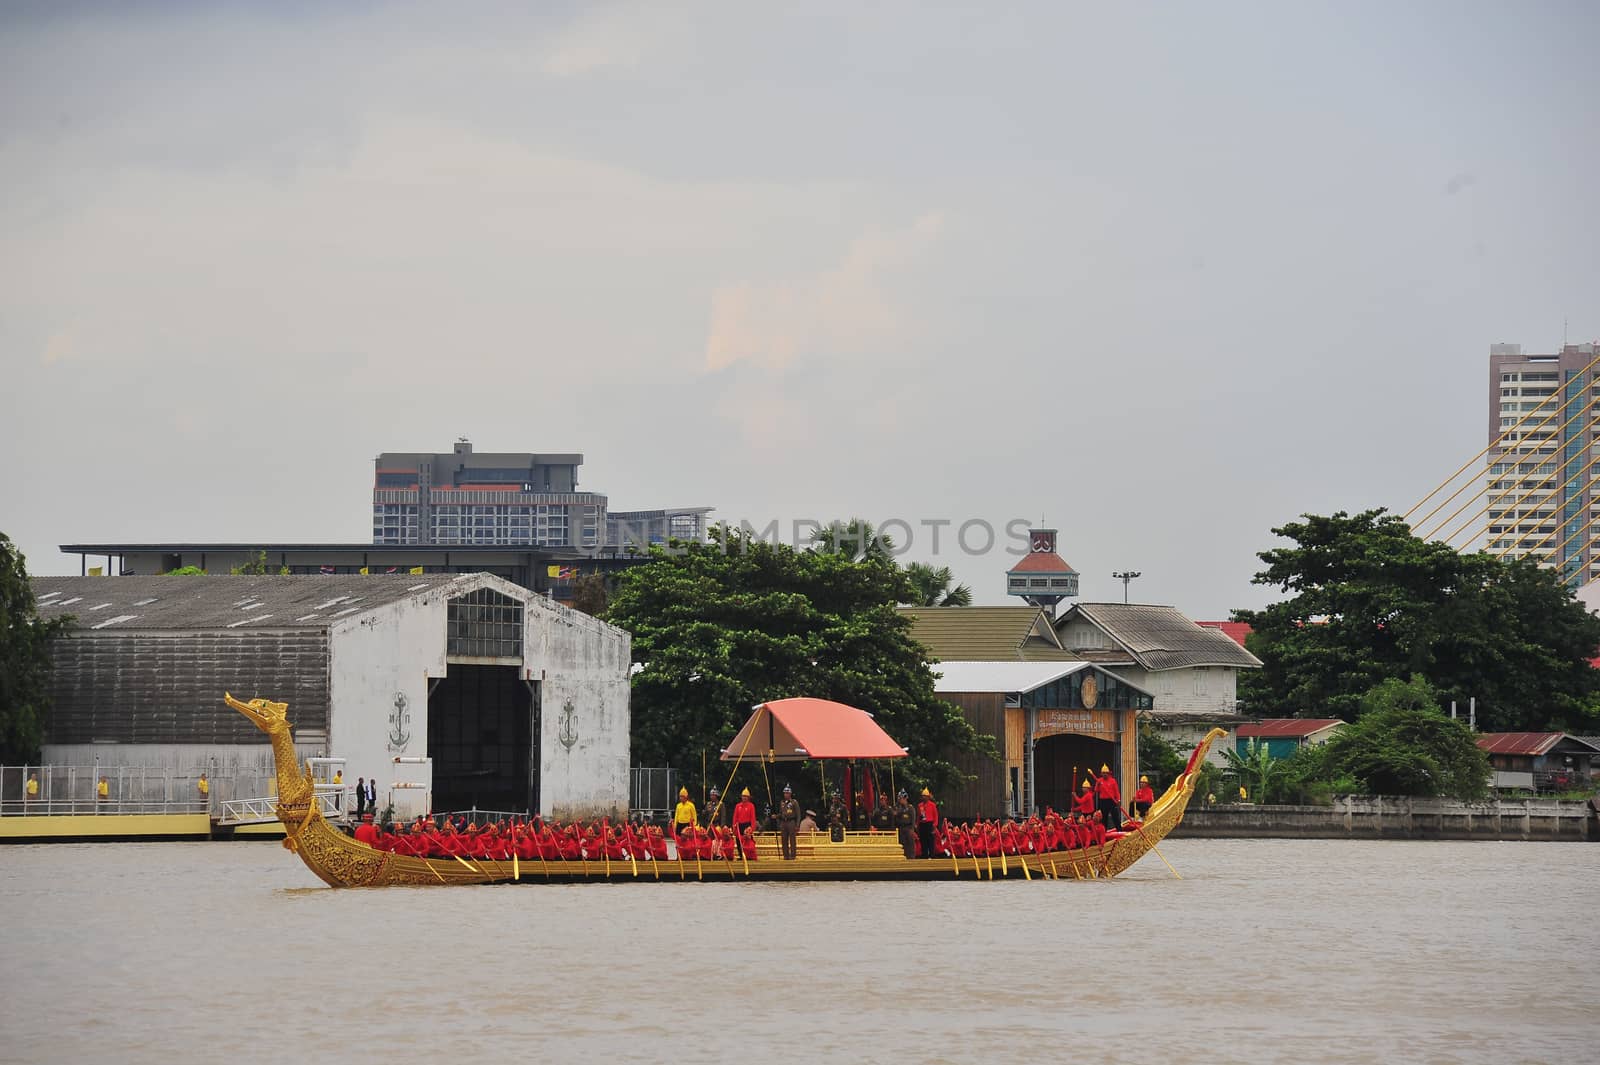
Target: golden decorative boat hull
[(341, 861)]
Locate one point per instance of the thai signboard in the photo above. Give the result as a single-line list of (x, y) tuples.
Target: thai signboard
[(1101, 723)]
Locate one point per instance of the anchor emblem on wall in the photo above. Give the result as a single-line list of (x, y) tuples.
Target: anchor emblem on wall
[(567, 733), (399, 735)]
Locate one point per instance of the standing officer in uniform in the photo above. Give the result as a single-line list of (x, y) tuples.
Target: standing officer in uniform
[(715, 815), (905, 821), (788, 822), (927, 820)]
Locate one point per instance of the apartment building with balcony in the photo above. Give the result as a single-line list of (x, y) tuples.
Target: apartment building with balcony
[(1544, 442)]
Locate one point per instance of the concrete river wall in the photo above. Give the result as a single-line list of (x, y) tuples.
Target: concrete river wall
[(1368, 817)]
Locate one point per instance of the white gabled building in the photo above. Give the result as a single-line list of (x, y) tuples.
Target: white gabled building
[(451, 691), (1191, 671)]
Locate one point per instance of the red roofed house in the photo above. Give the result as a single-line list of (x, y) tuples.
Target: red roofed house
[(1541, 761), (1285, 735)]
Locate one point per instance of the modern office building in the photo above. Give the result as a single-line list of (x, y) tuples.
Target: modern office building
[(508, 498), (1544, 432)]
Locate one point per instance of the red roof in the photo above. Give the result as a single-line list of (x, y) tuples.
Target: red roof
[(790, 730), (1534, 743), (1284, 728), (1233, 630), (1041, 562)]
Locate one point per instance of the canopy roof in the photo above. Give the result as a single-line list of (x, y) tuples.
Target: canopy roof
[(792, 730)]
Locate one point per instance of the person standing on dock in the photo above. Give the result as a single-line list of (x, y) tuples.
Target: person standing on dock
[(788, 823), (361, 795), (102, 791), (372, 796), (203, 787), (927, 821), (33, 787)]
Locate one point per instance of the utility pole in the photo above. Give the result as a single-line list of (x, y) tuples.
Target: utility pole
[(1125, 576)]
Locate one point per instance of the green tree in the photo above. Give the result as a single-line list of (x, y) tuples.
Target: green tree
[(1368, 601), (721, 626), (1255, 769), (24, 660), (1158, 759), (935, 586), (590, 594), (1405, 745), (256, 567)]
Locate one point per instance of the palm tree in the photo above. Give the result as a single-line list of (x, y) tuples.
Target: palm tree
[(933, 586)]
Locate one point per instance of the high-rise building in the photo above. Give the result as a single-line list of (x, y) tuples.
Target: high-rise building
[(1544, 437), (512, 498)]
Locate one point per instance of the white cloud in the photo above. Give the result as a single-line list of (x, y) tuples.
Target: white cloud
[(848, 308)]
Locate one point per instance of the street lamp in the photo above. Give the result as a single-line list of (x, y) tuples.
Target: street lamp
[(1125, 576)]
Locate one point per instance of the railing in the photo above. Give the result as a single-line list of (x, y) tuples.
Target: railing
[(652, 792), (65, 790), (262, 810)]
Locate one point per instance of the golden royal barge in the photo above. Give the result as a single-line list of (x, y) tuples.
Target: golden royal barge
[(340, 861)]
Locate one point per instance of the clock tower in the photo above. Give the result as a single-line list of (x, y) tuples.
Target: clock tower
[(1042, 577)]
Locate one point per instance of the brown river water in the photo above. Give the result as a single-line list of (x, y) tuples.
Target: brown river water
[(1264, 951)]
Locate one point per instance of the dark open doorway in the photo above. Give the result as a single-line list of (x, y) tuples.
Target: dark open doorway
[(480, 735), (1057, 758)]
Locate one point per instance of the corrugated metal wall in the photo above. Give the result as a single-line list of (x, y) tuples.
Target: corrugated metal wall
[(145, 687), (986, 795)]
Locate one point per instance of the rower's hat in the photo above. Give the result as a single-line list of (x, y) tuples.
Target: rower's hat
[(1086, 782), (683, 793), (926, 794), (366, 817), (811, 813), (1105, 768), (745, 794), (1144, 780)]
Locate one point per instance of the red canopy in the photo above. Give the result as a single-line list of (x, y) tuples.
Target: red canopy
[(792, 730)]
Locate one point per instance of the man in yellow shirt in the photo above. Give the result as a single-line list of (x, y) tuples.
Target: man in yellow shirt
[(33, 787), (103, 790), (684, 818), (203, 786)]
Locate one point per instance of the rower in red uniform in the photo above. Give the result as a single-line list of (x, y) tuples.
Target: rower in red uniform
[(1144, 798), (1084, 804)]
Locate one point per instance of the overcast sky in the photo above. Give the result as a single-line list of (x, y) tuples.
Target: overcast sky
[(1165, 276)]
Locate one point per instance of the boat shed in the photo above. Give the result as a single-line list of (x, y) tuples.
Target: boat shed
[(450, 690), (1052, 722)]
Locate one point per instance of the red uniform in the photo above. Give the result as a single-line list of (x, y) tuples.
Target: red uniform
[(744, 816)]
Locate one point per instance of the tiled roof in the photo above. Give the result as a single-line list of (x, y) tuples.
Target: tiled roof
[(1041, 562), (1233, 630), (217, 602), (1159, 637), (1285, 728), (986, 634)]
